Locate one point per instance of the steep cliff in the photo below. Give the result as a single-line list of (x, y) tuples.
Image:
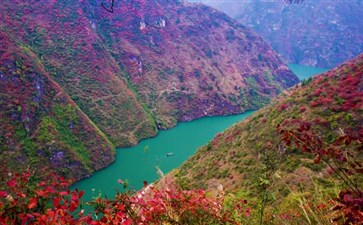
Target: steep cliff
[(75, 57), (123, 72), (40, 125)]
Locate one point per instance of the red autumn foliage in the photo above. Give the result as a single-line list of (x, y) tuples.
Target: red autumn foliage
[(302, 109), (341, 160), (283, 107), (314, 103), (25, 200), (351, 204), (232, 136), (216, 139)]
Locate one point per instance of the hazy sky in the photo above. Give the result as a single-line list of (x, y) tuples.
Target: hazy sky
[(231, 7)]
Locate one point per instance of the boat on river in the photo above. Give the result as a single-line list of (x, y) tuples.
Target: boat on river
[(169, 153)]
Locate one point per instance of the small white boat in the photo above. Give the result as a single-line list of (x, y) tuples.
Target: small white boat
[(169, 154)]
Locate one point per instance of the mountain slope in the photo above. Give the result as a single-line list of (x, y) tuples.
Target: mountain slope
[(145, 66), (76, 59), (39, 124), (252, 152), (188, 61), (316, 33), (173, 56)]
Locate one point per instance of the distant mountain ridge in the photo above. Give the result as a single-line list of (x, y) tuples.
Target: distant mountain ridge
[(314, 32), (122, 75)]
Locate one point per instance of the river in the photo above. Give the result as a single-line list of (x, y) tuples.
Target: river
[(139, 163)]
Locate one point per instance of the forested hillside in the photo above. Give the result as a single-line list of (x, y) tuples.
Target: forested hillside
[(126, 74), (303, 142)]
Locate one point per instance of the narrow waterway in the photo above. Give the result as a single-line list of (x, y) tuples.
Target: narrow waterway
[(168, 150)]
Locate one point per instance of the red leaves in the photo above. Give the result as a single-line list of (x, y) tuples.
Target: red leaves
[(346, 197), (303, 137), (33, 203), (230, 137), (304, 126), (11, 183), (285, 135), (321, 206), (282, 107), (340, 152), (80, 194), (56, 201), (41, 193), (351, 204), (3, 194), (302, 109), (317, 159), (347, 140), (216, 139), (248, 212), (28, 199), (149, 206), (63, 193), (22, 195), (128, 221), (73, 204), (317, 92), (314, 103)]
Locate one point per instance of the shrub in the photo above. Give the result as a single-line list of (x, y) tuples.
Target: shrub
[(342, 158), (24, 199)]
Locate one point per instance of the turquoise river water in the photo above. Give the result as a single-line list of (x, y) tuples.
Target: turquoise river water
[(139, 163)]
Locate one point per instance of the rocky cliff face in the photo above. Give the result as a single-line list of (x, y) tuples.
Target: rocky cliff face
[(316, 33), (40, 125), (146, 64)]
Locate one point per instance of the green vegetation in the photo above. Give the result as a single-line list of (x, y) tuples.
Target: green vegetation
[(280, 178), (65, 117), (40, 125)]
